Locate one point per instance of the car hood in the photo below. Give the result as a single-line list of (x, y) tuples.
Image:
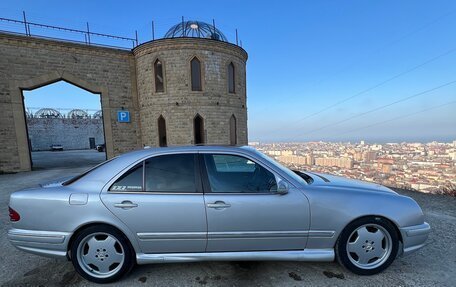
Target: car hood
[(334, 182)]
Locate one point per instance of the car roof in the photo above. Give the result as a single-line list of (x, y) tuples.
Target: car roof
[(188, 148)]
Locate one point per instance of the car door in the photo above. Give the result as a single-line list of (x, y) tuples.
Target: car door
[(244, 210), (161, 201)]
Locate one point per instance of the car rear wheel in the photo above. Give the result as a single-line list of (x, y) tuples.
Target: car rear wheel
[(102, 254), (368, 245)]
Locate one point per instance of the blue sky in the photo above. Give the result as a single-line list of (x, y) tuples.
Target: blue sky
[(306, 56)]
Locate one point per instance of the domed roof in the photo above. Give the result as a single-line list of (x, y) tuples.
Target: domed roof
[(195, 29), (48, 113), (98, 115), (77, 114)]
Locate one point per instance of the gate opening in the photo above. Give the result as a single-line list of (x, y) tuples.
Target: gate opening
[(64, 126)]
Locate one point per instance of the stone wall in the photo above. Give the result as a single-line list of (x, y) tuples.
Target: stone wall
[(27, 63), (70, 133)]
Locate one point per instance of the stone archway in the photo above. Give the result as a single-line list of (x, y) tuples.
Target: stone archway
[(17, 99)]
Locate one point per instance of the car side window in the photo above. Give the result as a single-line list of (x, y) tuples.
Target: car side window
[(170, 173), (237, 174), (131, 180)]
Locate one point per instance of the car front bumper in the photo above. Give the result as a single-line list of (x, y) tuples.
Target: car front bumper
[(44, 243), (414, 237)]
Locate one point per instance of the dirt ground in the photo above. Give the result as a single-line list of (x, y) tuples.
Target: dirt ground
[(433, 265)]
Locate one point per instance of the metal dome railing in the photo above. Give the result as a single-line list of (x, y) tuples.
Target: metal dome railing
[(98, 115), (195, 29), (78, 114), (48, 113)]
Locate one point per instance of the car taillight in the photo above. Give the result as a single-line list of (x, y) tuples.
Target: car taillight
[(14, 216)]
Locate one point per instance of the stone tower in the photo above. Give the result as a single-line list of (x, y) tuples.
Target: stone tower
[(191, 88)]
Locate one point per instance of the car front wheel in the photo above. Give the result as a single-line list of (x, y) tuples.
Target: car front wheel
[(102, 254), (368, 245)]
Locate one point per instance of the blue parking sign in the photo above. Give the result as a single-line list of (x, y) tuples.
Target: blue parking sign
[(123, 116)]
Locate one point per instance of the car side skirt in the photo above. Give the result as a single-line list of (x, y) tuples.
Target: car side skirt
[(316, 255)]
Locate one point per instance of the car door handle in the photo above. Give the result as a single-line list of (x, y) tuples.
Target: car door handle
[(218, 205), (126, 204)]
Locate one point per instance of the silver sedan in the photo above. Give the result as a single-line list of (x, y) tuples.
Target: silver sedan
[(200, 203)]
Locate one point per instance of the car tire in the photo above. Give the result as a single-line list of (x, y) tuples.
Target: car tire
[(367, 245), (102, 254)]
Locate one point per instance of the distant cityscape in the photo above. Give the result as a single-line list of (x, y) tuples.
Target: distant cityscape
[(426, 167)]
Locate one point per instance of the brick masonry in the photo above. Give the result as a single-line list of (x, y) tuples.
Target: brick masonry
[(178, 104), (124, 79)]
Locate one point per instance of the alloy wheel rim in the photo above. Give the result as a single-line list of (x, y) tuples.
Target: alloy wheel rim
[(100, 254), (369, 246)]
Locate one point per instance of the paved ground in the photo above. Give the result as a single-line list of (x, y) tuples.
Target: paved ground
[(434, 265), (66, 158)]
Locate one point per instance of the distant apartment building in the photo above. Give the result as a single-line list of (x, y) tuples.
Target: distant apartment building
[(343, 162), (293, 159), (377, 147), (358, 156), (310, 159), (385, 168), (369, 156), (279, 152), (384, 160), (453, 156)]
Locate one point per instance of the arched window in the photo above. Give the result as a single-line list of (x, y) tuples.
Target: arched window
[(198, 129), (231, 82), (233, 132), (195, 67), (158, 72), (162, 132)]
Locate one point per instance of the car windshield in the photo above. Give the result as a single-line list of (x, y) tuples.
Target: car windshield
[(77, 177), (288, 171)]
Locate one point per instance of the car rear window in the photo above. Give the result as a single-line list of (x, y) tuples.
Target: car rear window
[(132, 180), (76, 178)]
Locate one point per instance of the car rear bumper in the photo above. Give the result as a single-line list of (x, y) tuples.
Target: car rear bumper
[(414, 237), (44, 243)]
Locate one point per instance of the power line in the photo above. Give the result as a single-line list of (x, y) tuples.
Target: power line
[(400, 117), (382, 107), (372, 87), (393, 42), (422, 27)]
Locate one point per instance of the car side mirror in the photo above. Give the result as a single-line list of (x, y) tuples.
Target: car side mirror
[(282, 186)]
